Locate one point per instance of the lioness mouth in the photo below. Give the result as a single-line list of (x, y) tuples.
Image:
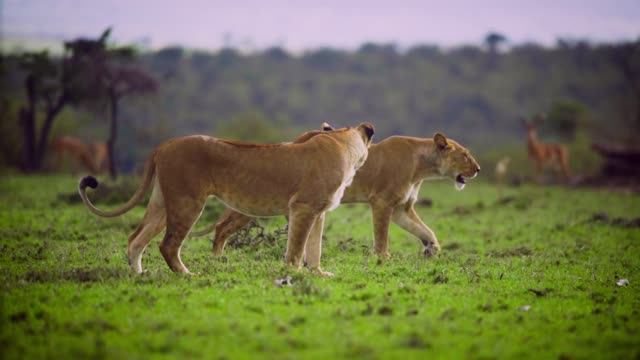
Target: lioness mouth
[(460, 182)]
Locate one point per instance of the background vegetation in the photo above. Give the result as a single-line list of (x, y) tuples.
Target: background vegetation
[(475, 94)]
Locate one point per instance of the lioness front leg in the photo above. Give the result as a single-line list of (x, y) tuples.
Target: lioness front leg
[(406, 218), (313, 249), (381, 219), (301, 220)]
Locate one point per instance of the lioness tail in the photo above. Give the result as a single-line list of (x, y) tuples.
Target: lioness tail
[(90, 181)]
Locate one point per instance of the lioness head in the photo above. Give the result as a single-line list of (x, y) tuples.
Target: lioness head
[(455, 161), (365, 132)]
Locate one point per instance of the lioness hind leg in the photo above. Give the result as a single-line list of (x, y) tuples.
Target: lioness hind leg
[(180, 218), (230, 222), (381, 220), (153, 223), (406, 218)]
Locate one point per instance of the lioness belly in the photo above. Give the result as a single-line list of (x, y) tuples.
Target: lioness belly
[(257, 206), (255, 192)]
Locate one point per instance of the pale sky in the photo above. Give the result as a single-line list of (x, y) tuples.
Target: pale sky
[(299, 24)]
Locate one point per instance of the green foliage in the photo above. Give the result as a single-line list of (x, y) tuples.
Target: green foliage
[(85, 75), (583, 160), (39, 63), (532, 276), (10, 135), (254, 127), (564, 119), (473, 95), (494, 39)]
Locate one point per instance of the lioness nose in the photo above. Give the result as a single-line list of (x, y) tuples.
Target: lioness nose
[(478, 169)]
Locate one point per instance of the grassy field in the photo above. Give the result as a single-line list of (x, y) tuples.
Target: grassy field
[(533, 277)]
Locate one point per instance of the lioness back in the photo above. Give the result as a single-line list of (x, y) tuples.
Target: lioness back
[(254, 179), (391, 165)]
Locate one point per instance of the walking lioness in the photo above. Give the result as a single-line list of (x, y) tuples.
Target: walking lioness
[(389, 181), (300, 180)]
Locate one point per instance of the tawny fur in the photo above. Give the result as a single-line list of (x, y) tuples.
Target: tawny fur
[(389, 182), (544, 155), (297, 180)]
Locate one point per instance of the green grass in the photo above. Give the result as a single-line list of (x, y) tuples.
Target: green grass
[(67, 291)]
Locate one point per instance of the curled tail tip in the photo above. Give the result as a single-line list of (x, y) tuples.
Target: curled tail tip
[(89, 181)]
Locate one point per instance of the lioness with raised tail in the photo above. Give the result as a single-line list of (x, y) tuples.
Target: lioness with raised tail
[(301, 180)]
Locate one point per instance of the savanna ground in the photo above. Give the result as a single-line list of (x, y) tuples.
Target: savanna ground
[(532, 277)]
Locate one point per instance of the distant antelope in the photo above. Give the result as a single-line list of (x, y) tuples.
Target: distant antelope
[(543, 154)]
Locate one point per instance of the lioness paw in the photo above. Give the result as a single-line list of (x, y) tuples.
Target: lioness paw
[(322, 273), (431, 250)]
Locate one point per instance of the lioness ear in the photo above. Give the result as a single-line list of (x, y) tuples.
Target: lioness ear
[(368, 130), (327, 127), (440, 141)]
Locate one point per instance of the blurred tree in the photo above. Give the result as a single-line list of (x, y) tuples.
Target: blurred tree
[(325, 59), (626, 58), (252, 126), (168, 59), (47, 86), (493, 40), (388, 50), (424, 51), (89, 72), (421, 91), (276, 54), (227, 57), (107, 74), (10, 145), (564, 119)]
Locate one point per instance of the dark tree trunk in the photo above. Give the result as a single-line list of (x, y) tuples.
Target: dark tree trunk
[(28, 123), (46, 129), (619, 161), (113, 133), (625, 64), (34, 148)]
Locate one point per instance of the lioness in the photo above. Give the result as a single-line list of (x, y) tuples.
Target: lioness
[(299, 180), (389, 182)]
